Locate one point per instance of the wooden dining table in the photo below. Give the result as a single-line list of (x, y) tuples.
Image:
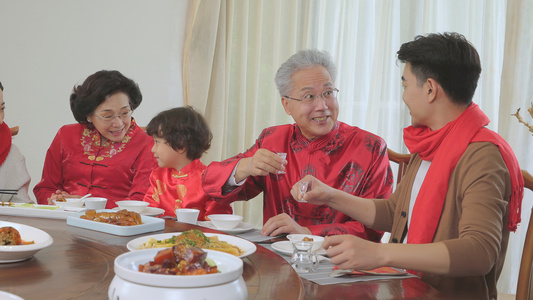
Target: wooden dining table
[(79, 265)]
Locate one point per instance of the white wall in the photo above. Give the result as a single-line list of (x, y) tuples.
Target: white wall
[(46, 47)]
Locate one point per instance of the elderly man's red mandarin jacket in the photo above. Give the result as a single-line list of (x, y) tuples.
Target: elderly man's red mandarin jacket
[(347, 158)]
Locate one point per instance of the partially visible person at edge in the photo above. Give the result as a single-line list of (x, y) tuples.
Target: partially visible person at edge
[(14, 176), (181, 135), (343, 156), (461, 194), (105, 154)]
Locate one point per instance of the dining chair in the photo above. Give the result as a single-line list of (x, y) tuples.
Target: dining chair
[(14, 130), (524, 288), (402, 160)]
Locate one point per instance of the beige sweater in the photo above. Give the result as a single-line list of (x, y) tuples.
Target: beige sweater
[(13, 175), (473, 225)]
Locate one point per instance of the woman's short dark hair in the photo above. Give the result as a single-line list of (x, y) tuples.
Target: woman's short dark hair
[(1, 87), (182, 127), (449, 59), (85, 98)]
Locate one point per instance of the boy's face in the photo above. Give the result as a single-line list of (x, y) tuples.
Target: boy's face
[(168, 157)]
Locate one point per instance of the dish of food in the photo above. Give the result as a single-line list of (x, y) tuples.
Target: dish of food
[(218, 242), (285, 247), (32, 240), (242, 227), (69, 202), (122, 217), (149, 224), (11, 236), (229, 268), (180, 260), (149, 211), (315, 239)]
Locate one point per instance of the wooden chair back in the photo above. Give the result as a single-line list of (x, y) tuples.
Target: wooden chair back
[(14, 130), (524, 289), (402, 160)]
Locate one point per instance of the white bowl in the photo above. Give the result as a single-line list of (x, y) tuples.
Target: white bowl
[(127, 267), (317, 240), (15, 253), (225, 221), (132, 205), (95, 203), (70, 202)]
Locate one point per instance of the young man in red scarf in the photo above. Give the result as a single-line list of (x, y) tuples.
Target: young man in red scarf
[(451, 215)]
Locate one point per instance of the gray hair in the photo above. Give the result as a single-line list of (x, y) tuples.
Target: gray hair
[(303, 59)]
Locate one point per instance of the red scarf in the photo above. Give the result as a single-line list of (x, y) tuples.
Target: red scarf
[(5, 142), (444, 148)]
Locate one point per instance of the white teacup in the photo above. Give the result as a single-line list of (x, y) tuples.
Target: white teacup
[(95, 202), (187, 215)]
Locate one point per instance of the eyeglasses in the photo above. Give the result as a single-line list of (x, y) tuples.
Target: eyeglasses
[(310, 99), (110, 118)]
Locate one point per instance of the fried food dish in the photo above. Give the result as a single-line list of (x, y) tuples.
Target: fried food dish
[(10, 236), (122, 217), (307, 239), (194, 238), (179, 260)]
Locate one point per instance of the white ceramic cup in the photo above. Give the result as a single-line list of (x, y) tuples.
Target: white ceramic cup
[(95, 203), (187, 215), (284, 156)]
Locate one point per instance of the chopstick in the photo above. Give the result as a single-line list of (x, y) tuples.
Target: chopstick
[(8, 192)]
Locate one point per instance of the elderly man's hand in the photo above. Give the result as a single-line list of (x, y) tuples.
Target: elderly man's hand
[(283, 223), (261, 164)]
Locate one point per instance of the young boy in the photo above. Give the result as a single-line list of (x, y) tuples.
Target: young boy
[(181, 135)]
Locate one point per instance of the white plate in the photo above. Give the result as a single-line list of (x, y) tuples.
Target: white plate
[(9, 296), (22, 252), (149, 224), (247, 246), (242, 227), (38, 210), (285, 247), (127, 267), (149, 211)]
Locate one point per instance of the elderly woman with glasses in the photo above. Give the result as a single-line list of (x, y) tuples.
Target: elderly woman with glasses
[(343, 156), (105, 154)]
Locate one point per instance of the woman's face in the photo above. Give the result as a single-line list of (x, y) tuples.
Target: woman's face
[(319, 118), (112, 118)]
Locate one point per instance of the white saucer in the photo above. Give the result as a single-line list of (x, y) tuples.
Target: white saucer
[(149, 211), (285, 247), (9, 296), (242, 227)]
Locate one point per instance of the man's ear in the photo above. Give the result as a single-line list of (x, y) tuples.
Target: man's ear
[(285, 103), (432, 89)]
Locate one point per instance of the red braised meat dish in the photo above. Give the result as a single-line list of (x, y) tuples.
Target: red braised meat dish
[(179, 260)]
